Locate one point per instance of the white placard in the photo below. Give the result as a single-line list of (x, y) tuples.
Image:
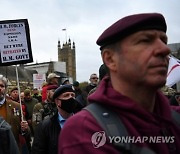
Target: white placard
[(15, 46)]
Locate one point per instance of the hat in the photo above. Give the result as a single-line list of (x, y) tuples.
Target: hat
[(27, 92), (62, 89), (102, 71), (65, 81), (14, 88), (53, 75), (52, 87), (129, 25), (76, 83)]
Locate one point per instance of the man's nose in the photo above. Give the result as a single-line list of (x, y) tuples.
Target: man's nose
[(161, 48)]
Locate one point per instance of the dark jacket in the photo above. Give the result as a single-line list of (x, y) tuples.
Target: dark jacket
[(8, 143), (46, 136)]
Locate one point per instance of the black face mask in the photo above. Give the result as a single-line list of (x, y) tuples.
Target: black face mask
[(68, 105)]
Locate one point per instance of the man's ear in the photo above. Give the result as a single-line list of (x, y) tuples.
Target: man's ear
[(109, 58), (58, 104)]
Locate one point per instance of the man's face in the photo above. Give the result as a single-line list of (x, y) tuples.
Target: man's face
[(64, 96), (2, 90), (54, 81), (27, 97), (50, 94), (22, 95), (35, 91), (14, 94), (142, 59), (94, 79)]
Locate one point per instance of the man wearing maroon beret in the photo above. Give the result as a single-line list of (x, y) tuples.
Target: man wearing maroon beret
[(135, 51)]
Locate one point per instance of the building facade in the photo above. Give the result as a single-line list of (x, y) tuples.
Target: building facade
[(25, 76), (175, 49), (67, 54), (49, 67)]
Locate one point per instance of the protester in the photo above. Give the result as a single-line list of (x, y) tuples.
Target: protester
[(11, 112), (135, 51), (46, 135), (29, 102), (80, 96), (65, 81), (46, 109), (14, 94), (52, 79), (77, 89), (93, 83), (22, 95), (102, 73), (37, 95)]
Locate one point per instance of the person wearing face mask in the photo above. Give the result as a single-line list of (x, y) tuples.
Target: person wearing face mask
[(46, 133)]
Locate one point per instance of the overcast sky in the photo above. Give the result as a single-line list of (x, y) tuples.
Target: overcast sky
[(84, 20)]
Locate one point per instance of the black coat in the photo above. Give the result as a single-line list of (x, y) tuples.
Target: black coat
[(8, 143), (46, 136)]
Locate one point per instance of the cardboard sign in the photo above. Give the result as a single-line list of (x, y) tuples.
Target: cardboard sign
[(38, 80), (15, 45)]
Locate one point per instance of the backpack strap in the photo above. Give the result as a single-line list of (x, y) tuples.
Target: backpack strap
[(113, 126)]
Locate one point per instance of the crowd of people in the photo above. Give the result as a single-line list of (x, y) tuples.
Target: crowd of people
[(126, 100), (36, 117)]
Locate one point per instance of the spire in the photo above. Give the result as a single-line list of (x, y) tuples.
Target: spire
[(73, 45), (59, 44), (69, 42)]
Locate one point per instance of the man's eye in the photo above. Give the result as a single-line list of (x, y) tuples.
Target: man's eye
[(145, 40)]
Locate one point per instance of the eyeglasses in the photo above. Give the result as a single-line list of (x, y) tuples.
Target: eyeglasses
[(94, 78)]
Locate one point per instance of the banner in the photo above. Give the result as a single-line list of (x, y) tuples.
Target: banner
[(38, 80), (173, 75), (15, 45)]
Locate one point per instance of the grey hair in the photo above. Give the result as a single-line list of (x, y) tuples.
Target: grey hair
[(4, 80)]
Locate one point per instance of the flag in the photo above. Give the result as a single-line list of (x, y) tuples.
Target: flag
[(173, 75)]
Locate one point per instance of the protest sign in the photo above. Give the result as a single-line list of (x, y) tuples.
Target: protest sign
[(15, 45), (38, 80)]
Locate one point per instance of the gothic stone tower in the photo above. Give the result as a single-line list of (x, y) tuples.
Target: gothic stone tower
[(67, 54)]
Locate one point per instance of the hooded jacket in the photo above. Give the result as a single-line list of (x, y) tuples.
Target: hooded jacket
[(137, 120)]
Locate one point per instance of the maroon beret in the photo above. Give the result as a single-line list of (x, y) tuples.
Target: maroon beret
[(129, 25), (52, 87)]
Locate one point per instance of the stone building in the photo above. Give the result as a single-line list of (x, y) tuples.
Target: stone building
[(175, 49), (67, 54), (49, 67)]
